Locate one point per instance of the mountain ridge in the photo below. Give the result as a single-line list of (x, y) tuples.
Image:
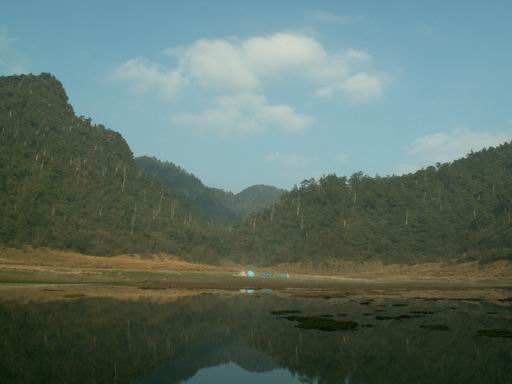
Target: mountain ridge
[(454, 211), (70, 184), (215, 202)]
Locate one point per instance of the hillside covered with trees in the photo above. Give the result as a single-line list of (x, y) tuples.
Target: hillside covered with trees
[(216, 204), (453, 211), (69, 184), (66, 183)]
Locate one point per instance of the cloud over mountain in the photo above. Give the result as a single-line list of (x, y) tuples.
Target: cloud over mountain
[(239, 72)]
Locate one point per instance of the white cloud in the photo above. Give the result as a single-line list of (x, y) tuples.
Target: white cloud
[(357, 55), (146, 76), (218, 64), (245, 65), (245, 113), (448, 146), (362, 87), (282, 52), (330, 17), (359, 88), (231, 68), (11, 61)]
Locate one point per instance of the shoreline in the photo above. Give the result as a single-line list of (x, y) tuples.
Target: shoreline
[(44, 267)]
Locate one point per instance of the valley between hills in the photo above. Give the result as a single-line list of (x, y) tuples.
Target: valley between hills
[(78, 207)]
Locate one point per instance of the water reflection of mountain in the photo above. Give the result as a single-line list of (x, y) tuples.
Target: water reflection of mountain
[(210, 353), (110, 341)]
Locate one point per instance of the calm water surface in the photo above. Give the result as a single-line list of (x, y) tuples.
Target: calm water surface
[(258, 338)]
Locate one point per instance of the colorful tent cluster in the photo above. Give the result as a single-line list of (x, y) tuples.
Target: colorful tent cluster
[(245, 274), (266, 275)]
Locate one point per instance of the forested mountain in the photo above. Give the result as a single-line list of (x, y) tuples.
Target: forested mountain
[(255, 198), (216, 204), (460, 210), (67, 183), (213, 202)]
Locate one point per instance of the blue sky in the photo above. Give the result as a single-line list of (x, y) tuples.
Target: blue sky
[(272, 92)]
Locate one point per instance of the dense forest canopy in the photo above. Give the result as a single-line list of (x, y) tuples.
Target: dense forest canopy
[(67, 183), (458, 211)]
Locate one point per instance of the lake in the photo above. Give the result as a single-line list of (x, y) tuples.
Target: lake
[(256, 337)]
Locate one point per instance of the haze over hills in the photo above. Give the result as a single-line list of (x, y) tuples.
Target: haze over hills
[(215, 203), (69, 184)]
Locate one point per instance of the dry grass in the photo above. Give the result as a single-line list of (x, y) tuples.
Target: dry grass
[(499, 270), (61, 262), (43, 257)]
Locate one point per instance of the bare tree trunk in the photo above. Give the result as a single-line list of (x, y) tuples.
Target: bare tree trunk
[(134, 218), (173, 209), (124, 179), (160, 204)]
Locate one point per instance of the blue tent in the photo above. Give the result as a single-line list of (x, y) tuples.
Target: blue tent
[(251, 274)]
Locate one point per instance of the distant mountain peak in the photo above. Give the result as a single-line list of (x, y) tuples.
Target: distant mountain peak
[(215, 203)]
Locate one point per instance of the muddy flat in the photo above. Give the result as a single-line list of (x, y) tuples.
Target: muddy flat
[(43, 267)]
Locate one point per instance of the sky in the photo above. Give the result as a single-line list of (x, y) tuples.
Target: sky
[(274, 92)]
